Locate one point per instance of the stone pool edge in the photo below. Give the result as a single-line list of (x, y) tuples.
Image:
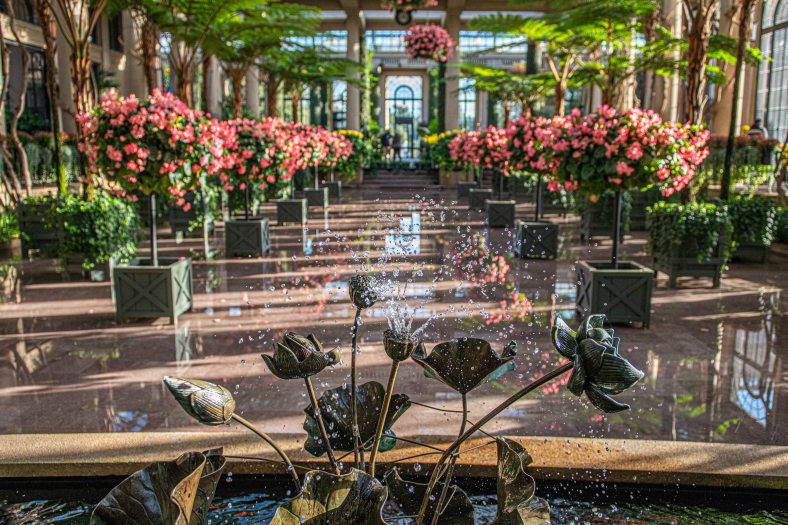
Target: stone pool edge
[(580, 459)]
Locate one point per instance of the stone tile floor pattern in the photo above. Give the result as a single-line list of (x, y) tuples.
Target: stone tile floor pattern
[(714, 359)]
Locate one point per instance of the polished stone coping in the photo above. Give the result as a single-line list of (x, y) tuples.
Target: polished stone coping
[(579, 459)]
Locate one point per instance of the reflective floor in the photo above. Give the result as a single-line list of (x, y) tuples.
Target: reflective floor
[(714, 358)]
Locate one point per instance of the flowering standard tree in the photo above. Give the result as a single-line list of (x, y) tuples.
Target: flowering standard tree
[(153, 147), (340, 150), (635, 150), (429, 41), (536, 145)]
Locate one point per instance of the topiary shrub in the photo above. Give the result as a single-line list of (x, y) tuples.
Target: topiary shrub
[(695, 228), (753, 221)]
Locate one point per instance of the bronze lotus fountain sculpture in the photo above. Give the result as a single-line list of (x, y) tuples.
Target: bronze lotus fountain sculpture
[(179, 492)]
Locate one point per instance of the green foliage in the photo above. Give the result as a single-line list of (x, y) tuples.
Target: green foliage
[(781, 231), (41, 158), (96, 229), (9, 225), (695, 228), (362, 155), (753, 220)]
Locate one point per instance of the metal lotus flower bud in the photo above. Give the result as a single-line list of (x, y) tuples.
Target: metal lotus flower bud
[(599, 370), (399, 346), (362, 292), (298, 357), (206, 402), (465, 363)]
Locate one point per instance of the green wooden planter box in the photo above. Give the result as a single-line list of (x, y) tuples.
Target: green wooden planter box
[(247, 238), (464, 187), (478, 197), (35, 235), (146, 291), (291, 211), (536, 240), (500, 214), (334, 189), (317, 197), (676, 264), (623, 294), (551, 202), (757, 253)]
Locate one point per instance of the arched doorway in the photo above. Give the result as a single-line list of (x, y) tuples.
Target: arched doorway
[(404, 95)]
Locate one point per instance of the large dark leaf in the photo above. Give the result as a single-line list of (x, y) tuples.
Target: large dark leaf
[(165, 493), (335, 408), (326, 499), (407, 495), (516, 502)]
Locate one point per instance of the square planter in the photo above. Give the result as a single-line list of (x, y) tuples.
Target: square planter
[(450, 178), (464, 187), (478, 197), (247, 238), (292, 211), (317, 197), (334, 189), (623, 294), (676, 264), (34, 234), (536, 240), (757, 253), (142, 290), (500, 214)]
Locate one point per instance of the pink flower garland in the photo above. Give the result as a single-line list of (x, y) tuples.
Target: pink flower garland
[(429, 41)]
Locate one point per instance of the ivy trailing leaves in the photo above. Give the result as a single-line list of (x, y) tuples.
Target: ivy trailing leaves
[(753, 220), (95, 230), (694, 228)]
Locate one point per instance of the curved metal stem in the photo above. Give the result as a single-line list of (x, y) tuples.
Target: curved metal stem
[(321, 425), (483, 421), (452, 462), (265, 437), (384, 412), (358, 451)]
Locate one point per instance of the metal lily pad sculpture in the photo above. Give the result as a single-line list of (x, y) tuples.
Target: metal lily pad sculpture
[(463, 364), (326, 499), (166, 493), (515, 487), (336, 412), (407, 496), (299, 357), (598, 369), (400, 347), (206, 402)]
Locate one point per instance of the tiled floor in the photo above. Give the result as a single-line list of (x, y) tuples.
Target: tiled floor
[(714, 359)]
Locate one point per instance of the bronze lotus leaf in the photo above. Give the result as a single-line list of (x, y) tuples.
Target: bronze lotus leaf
[(399, 347), (465, 363), (515, 487), (298, 357), (206, 402), (362, 291), (327, 499), (407, 495), (335, 407), (177, 491), (599, 370)]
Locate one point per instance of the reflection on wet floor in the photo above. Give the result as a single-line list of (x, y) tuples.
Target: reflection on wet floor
[(714, 358)]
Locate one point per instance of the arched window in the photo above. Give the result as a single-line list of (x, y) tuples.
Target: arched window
[(404, 111), (772, 102)]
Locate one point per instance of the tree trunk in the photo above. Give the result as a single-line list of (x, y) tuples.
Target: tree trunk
[(13, 186), (746, 8), (237, 75), (560, 96), (46, 20), (205, 66), (147, 48), (185, 90), (702, 15), (13, 126), (271, 92), (295, 102)]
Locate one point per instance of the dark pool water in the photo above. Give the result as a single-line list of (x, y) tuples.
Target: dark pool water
[(585, 505)]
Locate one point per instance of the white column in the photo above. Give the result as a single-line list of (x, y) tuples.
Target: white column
[(214, 88), (452, 110), (354, 28), (253, 91), (133, 73)]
